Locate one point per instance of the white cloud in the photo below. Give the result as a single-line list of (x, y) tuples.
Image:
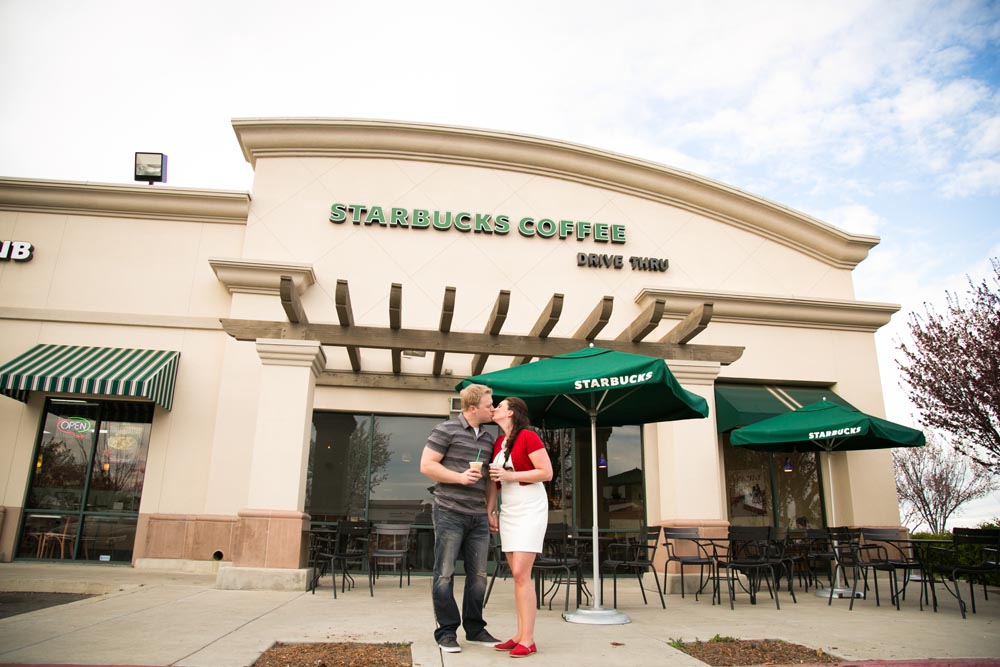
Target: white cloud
[(856, 218), (986, 137), (976, 177)]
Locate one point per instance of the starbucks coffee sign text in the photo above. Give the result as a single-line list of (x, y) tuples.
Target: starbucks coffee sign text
[(476, 223)]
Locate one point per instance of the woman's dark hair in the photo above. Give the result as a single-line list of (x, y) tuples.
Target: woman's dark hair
[(519, 421)]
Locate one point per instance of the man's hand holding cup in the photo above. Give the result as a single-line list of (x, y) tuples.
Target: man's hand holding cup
[(473, 474)]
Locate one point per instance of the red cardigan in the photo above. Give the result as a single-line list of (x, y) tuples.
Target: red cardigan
[(527, 442)]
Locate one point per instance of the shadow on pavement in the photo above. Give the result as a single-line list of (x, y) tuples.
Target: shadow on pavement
[(12, 604)]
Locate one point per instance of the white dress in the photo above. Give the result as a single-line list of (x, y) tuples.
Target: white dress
[(524, 513)]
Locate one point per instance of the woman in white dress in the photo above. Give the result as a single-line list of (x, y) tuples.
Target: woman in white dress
[(520, 466)]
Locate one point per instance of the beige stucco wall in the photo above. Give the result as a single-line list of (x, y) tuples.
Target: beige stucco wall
[(708, 253), (106, 274), (138, 266)]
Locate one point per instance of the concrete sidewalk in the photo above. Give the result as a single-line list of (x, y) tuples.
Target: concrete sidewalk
[(158, 618)]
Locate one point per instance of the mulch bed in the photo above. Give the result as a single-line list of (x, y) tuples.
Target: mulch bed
[(726, 651), (340, 654), (718, 652)]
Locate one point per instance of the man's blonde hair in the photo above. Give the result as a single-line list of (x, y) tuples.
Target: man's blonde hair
[(472, 394)]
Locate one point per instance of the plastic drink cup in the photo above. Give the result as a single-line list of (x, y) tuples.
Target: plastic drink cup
[(476, 465)]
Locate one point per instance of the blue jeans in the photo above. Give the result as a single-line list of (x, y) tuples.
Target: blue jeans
[(466, 536)]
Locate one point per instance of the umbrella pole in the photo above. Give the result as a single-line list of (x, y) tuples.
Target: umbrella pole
[(838, 590), (596, 615), (829, 477), (595, 543)]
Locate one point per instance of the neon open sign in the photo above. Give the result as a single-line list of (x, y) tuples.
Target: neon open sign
[(74, 426)]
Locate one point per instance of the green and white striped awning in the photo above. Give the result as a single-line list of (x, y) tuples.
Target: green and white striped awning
[(104, 371)]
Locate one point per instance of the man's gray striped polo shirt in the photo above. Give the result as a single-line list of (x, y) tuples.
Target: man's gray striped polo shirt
[(456, 440)]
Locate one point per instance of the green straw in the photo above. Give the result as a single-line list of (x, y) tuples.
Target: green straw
[(478, 453)]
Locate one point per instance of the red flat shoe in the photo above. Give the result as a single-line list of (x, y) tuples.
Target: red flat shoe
[(506, 646), (522, 651)]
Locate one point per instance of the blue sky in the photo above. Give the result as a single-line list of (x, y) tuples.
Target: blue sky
[(876, 117)]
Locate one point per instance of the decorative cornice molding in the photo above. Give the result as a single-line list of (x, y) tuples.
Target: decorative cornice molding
[(250, 276), (695, 372), (340, 137), (124, 201), (776, 310), (307, 353)]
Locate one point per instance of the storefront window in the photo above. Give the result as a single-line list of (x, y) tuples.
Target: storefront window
[(337, 478), (760, 492), (748, 487), (63, 455), (621, 486), (398, 490), (89, 467), (368, 466), (797, 493), (119, 467)]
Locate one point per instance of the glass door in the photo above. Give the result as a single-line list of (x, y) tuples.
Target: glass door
[(89, 466)]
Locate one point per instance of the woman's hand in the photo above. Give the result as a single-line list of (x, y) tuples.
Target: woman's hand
[(501, 474)]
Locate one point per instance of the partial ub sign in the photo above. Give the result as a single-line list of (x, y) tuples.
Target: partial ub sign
[(17, 251)]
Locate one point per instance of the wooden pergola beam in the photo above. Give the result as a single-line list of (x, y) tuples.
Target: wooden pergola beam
[(444, 325), (648, 320), (386, 381), (493, 326), (597, 320), (544, 325), (346, 317), (690, 326), (290, 301), (396, 322), (464, 343)]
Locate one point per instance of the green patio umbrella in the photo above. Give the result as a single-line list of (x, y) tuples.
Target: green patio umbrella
[(601, 388), (825, 426)]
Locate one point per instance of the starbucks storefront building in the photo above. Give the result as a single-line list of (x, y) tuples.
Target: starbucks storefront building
[(191, 378)]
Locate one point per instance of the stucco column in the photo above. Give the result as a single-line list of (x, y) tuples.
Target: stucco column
[(685, 457), (687, 454), (269, 533)]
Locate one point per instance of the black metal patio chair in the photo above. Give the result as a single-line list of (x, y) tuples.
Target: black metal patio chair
[(560, 557), (321, 545), (350, 550), (746, 554), (636, 557), (846, 544), (886, 551), (686, 548), (390, 546), (975, 555), (818, 554)]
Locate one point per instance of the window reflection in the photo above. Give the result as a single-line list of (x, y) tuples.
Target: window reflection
[(63, 454), (119, 467), (759, 492), (797, 497), (368, 466), (748, 486), (399, 492), (621, 486), (87, 481)]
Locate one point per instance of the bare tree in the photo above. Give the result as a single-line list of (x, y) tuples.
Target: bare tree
[(933, 481), (952, 368)]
